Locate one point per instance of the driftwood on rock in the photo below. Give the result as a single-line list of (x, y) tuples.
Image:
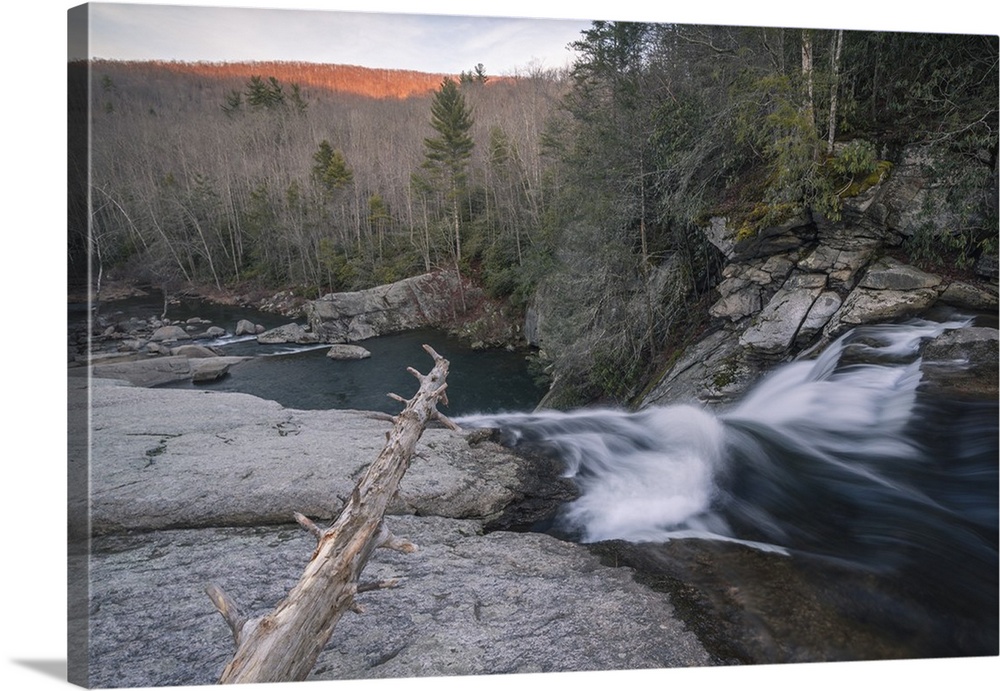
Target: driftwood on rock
[(283, 645)]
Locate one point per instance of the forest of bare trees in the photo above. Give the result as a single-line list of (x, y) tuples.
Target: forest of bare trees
[(214, 176)]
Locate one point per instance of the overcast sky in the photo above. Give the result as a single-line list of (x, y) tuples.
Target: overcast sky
[(431, 43), (433, 36)]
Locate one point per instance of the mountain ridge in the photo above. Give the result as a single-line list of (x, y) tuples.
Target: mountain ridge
[(372, 82)]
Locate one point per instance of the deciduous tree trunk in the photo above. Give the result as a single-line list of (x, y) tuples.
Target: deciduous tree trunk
[(284, 644), (838, 44)]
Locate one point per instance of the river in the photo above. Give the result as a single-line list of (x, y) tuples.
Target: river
[(302, 377), (837, 460), (844, 461)]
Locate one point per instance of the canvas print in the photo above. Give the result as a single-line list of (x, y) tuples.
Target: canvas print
[(409, 346)]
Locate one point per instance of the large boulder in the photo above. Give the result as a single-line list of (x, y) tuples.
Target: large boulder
[(289, 333), (969, 296), (889, 290), (964, 362), (152, 371), (428, 300), (191, 350), (245, 327), (343, 351), (891, 274), (170, 332), (209, 369)]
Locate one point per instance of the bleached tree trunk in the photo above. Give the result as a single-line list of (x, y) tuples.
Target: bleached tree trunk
[(284, 644), (807, 76), (838, 44)]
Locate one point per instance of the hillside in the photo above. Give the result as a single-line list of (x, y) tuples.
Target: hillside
[(351, 79)]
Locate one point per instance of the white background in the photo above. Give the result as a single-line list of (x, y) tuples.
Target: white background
[(33, 250)]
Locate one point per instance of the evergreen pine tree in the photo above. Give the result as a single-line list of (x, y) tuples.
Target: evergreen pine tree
[(447, 155)]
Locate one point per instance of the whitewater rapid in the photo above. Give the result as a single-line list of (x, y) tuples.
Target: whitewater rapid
[(821, 456)]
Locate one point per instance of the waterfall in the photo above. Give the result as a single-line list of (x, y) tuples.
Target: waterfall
[(821, 456)]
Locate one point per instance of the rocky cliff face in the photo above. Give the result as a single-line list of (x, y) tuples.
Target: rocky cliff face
[(432, 299), (441, 299), (794, 287)]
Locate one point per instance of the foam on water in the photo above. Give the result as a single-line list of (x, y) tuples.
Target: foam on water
[(820, 456)]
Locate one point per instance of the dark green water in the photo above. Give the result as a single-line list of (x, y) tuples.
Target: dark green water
[(478, 381), (302, 377)]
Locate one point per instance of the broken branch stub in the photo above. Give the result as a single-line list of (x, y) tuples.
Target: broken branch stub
[(283, 645)]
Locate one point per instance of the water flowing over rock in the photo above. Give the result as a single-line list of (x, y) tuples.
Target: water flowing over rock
[(428, 300)]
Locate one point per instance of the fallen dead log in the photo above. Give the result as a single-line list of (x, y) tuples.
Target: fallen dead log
[(283, 645)]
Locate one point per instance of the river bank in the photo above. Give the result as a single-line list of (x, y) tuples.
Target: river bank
[(188, 487), (194, 486)]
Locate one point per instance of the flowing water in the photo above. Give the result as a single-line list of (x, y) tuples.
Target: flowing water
[(850, 463), (846, 459)]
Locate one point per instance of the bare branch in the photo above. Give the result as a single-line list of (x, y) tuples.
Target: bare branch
[(378, 585), (389, 541), (447, 422), (228, 609), (308, 525)]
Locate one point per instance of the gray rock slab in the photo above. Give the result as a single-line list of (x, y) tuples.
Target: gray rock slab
[(890, 274), (774, 329), (970, 296), (179, 458), (169, 333), (868, 306), (209, 369), (192, 350), (467, 604), (147, 372), (712, 371), (737, 305), (153, 371), (419, 301), (289, 333), (343, 351), (819, 315)]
